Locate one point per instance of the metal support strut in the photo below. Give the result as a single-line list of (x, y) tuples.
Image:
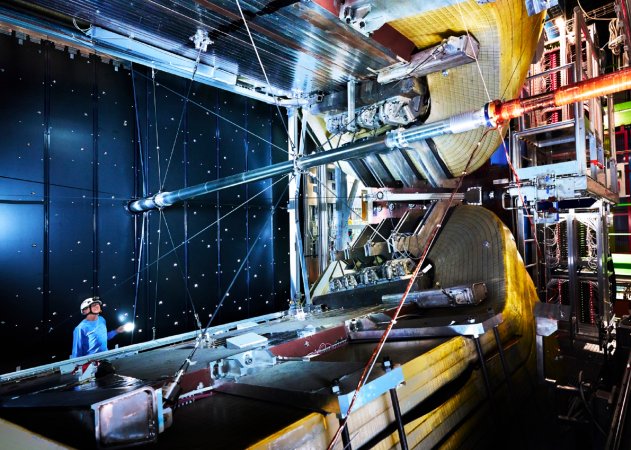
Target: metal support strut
[(346, 437), (500, 350), (387, 365), (485, 373)]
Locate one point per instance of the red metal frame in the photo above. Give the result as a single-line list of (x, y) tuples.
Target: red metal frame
[(302, 347)]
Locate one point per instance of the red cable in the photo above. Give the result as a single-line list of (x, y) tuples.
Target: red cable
[(385, 334)]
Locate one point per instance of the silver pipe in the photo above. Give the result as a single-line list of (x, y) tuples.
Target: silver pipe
[(350, 100), (550, 71), (401, 138), (164, 199), (341, 209), (292, 210), (464, 295), (301, 253), (323, 220), (300, 243), (554, 141), (459, 123)]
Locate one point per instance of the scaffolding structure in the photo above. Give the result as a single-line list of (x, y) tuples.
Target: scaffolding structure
[(565, 182)]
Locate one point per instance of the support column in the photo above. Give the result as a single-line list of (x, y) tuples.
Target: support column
[(572, 255), (341, 209), (485, 374), (602, 253), (323, 220), (292, 209), (500, 350), (403, 441)]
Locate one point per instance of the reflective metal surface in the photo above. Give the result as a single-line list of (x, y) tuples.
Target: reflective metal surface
[(128, 419), (303, 47), (273, 405), (436, 327), (442, 298)]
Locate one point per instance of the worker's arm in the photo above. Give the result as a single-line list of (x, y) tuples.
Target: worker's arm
[(111, 334), (77, 343)]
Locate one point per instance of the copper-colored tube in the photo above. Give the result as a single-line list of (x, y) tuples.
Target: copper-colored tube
[(578, 92), (594, 87)]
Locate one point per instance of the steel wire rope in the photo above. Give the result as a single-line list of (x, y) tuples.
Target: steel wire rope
[(269, 86), (179, 125), (138, 135), (219, 116), (137, 283), (155, 301), (530, 217), (24, 198), (177, 258), (351, 209), (270, 53), (373, 358), (182, 369), (66, 186), (297, 179), (149, 265), (144, 192), (83, 30), (236, 208), (320, 146), (155, 115)]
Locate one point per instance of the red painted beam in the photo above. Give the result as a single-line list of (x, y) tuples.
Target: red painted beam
[(316, 342)]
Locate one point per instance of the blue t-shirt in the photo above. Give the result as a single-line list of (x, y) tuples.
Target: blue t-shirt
[(90, 337)]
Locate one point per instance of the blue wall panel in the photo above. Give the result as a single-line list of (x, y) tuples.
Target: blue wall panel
[(115, 184), (104, 130), (21, 120), (21, 279), (21, 199)]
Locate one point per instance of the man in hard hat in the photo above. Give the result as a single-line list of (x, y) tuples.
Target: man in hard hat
[(91, 335)]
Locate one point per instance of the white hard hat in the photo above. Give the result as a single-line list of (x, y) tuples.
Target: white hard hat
[(88, 301)]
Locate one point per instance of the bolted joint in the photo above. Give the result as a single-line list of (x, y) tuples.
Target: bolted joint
[(140, 205), (157, 201), (335, 387), (396, 139)]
